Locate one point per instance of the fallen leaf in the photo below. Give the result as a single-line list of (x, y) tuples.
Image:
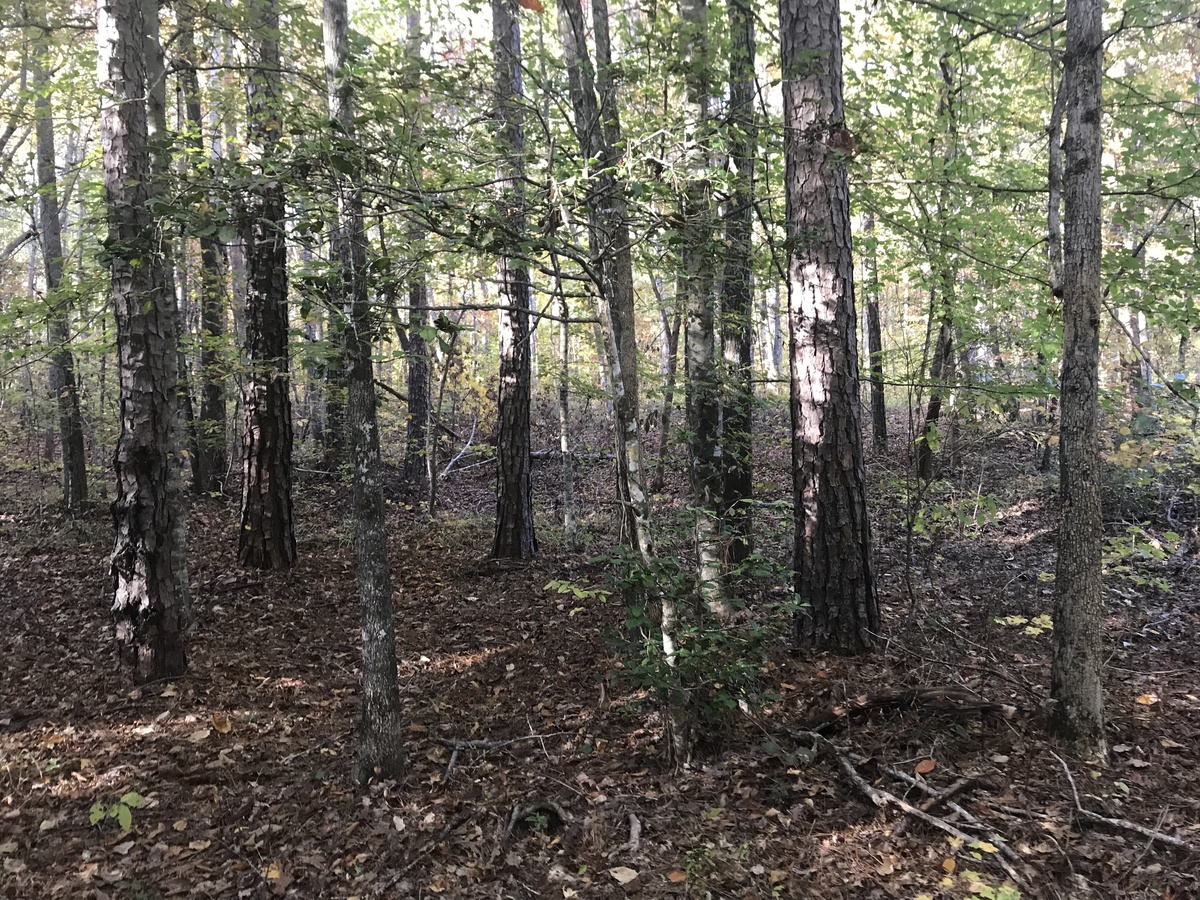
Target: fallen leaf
[(999, 758), (273, 872), (197, 736), (985, 846), (1171, 745), (123, 848), (1139, 763), (180, 825), (886, 869), (949, 865), (777, 875), (623, 874), (677, 876), (925, 766), (221, 723), (1148, 699), (199, 845)]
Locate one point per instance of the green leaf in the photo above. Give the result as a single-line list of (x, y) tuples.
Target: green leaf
[(124, 816)]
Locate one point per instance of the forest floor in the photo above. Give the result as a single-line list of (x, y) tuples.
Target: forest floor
[(535, 769)]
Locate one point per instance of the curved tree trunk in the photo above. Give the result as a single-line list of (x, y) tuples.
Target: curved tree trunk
[(1076, 677), (149, 603), (266, 539), (515, 537), (834, 576)]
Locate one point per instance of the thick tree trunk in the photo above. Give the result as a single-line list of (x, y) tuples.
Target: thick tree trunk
[(212, 459), (380, 738), (149, 603), (737, 327), (515, 537), (62, 360), (1076, 679), (834, 576), (266, 539)]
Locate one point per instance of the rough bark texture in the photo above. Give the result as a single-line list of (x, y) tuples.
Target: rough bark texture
[(737, 297), (671, 320), (1076, 680), (380, 736), (148, 603), (267, 539), (62, 360), (834, 576), (515, 537), (879, 438), (212, 458)]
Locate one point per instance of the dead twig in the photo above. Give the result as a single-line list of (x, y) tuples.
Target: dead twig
[(1122, 824)]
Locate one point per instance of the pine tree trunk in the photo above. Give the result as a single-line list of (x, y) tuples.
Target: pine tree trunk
[(515, 537), (380, 738), (1076, 679), (62, 360), (267, 539), (737, 327), (149, 603), (214, 297), (834, 576)]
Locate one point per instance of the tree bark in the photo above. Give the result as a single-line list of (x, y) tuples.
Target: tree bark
[(834, 576), (267, 539), (214, 294), (737, 327), (698, 259), (62, 360), (515, 537), (879, 438), (380, 737), (1076, 678), (149, 603)]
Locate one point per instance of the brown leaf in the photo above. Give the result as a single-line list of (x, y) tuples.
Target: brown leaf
[(623, 874), (925, 766), (677, 876), (534, 5), (221, 723)]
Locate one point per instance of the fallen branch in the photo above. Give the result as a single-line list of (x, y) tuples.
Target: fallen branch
[(1122, 824), (457, 747), (939, 700)]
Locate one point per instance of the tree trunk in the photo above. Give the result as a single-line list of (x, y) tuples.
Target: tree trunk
[(737, 327), (266, 539), (149, 603), (874, 340), (62, 360), (834, 577), (416, 349), (1076, 678), (214, 296), (672, 321), (515, 537), (380, 738)]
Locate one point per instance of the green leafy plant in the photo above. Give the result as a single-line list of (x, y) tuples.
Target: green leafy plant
[(122, 810)]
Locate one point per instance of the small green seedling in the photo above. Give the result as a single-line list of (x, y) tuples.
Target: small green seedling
[(122, 810)]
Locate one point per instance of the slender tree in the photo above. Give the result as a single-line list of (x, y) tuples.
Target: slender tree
[(874, 339), (515, 537), (62, 360), (149, 604), (214, 291), (267, 539), (380, 738), (834, 576), (737, 295), (1076, 678)]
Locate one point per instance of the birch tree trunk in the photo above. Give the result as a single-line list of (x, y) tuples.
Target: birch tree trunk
[(515, 537), (380, 737), (149, 603), (266, 539), (834, 575), (1076, 678)]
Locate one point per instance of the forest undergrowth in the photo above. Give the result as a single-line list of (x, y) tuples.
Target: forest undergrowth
[(536, 770)]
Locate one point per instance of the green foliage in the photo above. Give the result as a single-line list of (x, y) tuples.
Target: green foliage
[(122, 810)]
